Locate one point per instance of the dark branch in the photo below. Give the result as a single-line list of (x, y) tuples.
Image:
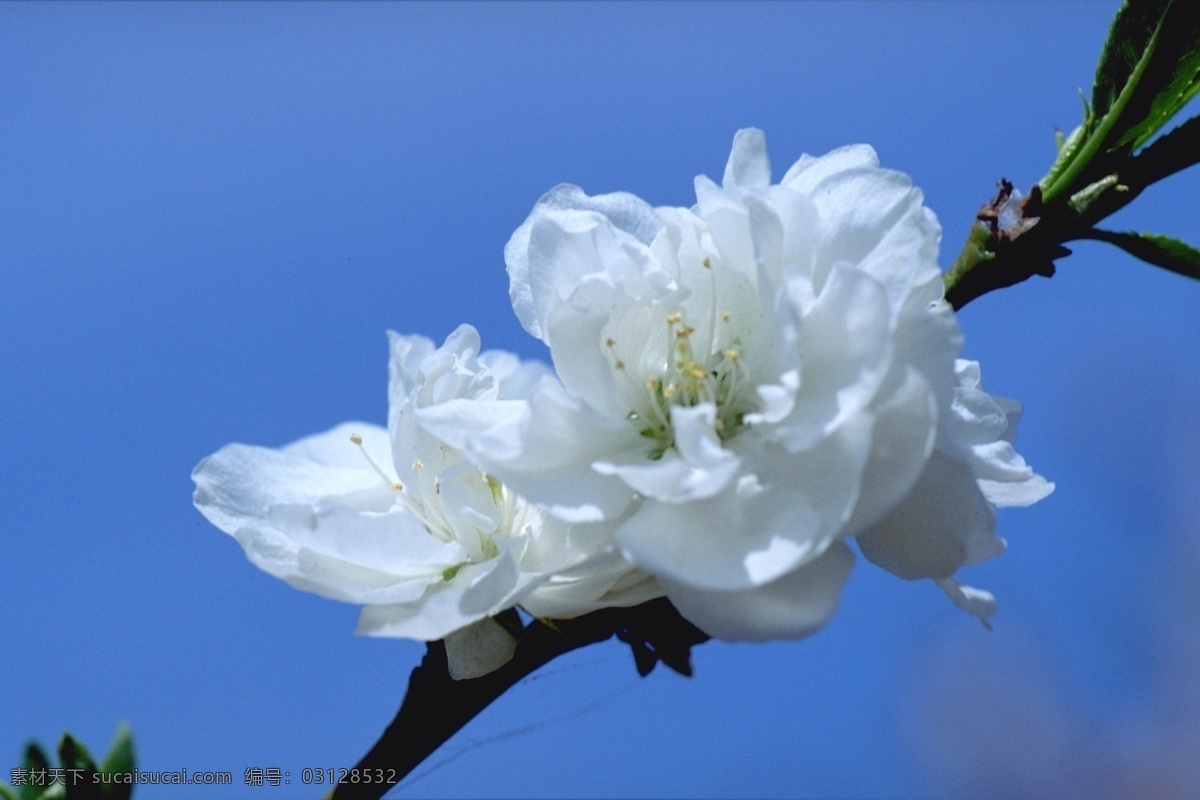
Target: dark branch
[(436, 706)]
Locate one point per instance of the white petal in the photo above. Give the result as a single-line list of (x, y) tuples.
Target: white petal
[(543, 449), (858, 207), (407, 353), (479, 649), (327, 575), (626, 212), (944, 524), (905, 258), (517, 379), (975, 602), (845, 348), (697, 467), (475, 592), (901, 441), (335, 448), (1004, 494), (327, 529), (807, 173), (606, 580), (584, 365), (758, 528), (793, 606), (748, 167)]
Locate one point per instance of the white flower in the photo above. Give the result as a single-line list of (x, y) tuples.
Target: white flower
[(750, 382), (399, 522)]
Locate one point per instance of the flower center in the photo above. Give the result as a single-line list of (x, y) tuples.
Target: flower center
[(423, 500), (695, 369)]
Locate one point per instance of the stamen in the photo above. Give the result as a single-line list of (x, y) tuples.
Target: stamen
[(725, 316), (674, 318), (358, 441)]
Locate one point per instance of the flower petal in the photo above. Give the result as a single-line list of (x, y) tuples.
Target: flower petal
[(783, 511), (790, 607), (697, 467), (324, 528), (902, 439), (478, 649), (748, 166), (944, 524), (976, 602), (626, 212), (548, 461), (475, 592)]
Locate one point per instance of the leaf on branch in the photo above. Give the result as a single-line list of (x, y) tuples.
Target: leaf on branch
[(120, 758), (1164, 36), (1161, 251), (1166, 155), (1148, 70), (78, 764), (73, 755)]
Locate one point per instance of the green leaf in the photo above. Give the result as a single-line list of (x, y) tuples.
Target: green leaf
[(35, 761), (7, 792), (120, 758), (1161, 251), (78, 785), (1148, 70), (1131, 40), (73, 755), (1172, 70), (1067, 150)]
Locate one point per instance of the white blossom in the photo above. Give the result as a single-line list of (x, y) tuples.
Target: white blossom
[(399, 522), (749, 383)]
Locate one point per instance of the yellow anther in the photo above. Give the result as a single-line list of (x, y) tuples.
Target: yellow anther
[(732, 356), (354, 437), (399, 487), (620, 364), (417, 463), (674, 318), (609, 342), (652, 383), (724, 316), (669, 391), (718, 426), (698, 373), (707, 263)]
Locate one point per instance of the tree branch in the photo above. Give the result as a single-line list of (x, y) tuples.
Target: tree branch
[(436, 706)]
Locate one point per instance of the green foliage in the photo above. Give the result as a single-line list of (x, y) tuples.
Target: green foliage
[(78, 771), (1162, 251), (1148, 70)]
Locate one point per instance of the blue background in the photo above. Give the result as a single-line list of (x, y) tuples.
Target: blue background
[(209, 215)]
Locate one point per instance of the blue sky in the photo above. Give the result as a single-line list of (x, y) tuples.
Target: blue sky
[(211, 213)]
